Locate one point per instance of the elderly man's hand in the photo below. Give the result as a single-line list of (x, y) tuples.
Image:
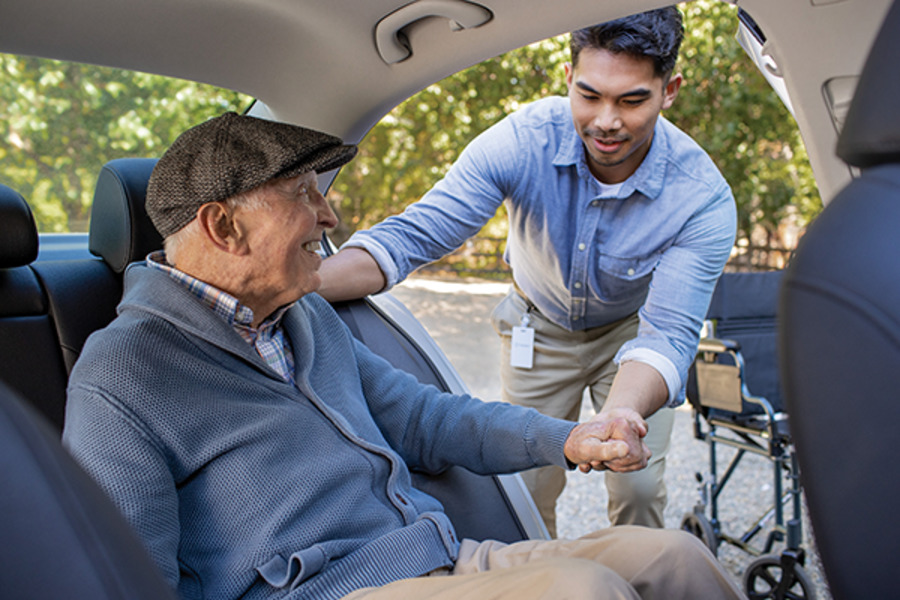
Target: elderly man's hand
[(611, 440)]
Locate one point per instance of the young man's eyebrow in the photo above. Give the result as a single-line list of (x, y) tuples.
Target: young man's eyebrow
[(639, 92)]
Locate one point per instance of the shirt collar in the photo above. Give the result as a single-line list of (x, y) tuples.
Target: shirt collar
[(222, 303)]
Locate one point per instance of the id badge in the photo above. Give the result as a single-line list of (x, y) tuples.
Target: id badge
[(521, 353)]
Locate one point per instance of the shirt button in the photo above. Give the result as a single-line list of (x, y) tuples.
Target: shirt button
[(631, 271), (595, 203), (577, 285), (581, 246)]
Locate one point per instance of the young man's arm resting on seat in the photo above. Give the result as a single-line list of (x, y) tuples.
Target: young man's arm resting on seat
[(350, 274)]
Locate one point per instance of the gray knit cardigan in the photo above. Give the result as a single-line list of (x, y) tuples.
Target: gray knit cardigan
[(243, 485)]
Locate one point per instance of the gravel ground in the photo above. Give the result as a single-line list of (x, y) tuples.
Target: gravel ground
[(457, 314)]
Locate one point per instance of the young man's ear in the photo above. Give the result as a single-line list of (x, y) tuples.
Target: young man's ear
[(219, 228), (670, 92)]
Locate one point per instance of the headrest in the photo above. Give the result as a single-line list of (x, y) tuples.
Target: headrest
[(18, 233), (871, 132), (121, 232)]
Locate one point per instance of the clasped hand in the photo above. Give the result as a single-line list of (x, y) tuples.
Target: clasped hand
[(611, 440)]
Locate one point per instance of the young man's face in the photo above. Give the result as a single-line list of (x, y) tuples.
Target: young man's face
[(616, 99)]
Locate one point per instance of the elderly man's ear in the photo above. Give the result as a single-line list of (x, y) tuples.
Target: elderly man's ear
[(221, 229)]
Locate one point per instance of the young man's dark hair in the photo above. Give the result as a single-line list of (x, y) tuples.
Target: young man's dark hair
[(656, 34)]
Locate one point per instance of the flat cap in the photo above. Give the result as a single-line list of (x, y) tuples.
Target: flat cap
[(229, 155)]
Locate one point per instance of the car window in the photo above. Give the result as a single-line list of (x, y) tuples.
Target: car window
[(726, 104), (63, 121)]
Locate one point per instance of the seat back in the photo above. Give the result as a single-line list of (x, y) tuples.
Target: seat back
[(49, 308), (30, 358), (840, 343), (61, 536), (743, 309)]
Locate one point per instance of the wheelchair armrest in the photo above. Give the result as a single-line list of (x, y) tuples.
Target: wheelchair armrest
[(765, 404)]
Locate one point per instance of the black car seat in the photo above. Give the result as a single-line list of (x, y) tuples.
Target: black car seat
[(30, 358), (49, 308), (60, 536), (840, 343)]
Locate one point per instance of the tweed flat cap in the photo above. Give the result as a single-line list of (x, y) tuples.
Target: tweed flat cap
[(229, 155)]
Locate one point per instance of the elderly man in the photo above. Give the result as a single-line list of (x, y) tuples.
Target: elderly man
[(261, 452)]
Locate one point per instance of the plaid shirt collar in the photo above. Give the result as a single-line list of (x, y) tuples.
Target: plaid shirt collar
[(268, 339)]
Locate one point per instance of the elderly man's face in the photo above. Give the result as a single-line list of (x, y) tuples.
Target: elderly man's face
[(283, 238)]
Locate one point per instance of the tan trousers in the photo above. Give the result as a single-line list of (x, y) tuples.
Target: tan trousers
[(620, 562), (566, 363)]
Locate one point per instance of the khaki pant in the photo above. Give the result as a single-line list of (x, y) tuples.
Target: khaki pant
[(566, 363), (620, 562)]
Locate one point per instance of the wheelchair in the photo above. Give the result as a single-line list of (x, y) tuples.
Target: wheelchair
[(733, 388)]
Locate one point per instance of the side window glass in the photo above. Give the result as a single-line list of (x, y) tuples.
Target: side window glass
[(63, 121)]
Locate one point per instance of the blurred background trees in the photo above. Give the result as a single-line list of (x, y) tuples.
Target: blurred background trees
[(62, 122)]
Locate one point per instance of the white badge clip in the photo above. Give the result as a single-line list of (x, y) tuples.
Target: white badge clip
[(521, 352)]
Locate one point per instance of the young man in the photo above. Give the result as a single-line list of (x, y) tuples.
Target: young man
[(619, 226), (261, 452)]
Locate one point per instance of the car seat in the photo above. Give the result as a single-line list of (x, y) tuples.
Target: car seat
[(60, 536), (840, 343), (30, 359)]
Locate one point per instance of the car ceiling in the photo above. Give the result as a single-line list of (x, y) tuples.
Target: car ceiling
[(316, 63)]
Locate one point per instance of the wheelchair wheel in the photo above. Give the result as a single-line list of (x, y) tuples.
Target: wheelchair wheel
[(765, 578), (698, 525)]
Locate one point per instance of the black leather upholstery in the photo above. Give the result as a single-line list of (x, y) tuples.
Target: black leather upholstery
[(840, 344), (18, 234), (83, 296), (61, 536), (871, 133), (49, 308), (121, 231), (30, 360)]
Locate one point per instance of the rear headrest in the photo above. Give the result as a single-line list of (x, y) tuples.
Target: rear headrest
[(18, 233), (121, 232), (871, 133)]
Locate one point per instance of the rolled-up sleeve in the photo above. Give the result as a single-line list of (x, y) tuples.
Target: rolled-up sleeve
[(680, 292)]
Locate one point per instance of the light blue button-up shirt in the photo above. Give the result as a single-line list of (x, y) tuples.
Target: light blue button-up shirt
[(584, 257)]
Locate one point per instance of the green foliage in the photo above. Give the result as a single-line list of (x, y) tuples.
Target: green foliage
[(64, 121), (730, 109), (414, 146), (725, 104)]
